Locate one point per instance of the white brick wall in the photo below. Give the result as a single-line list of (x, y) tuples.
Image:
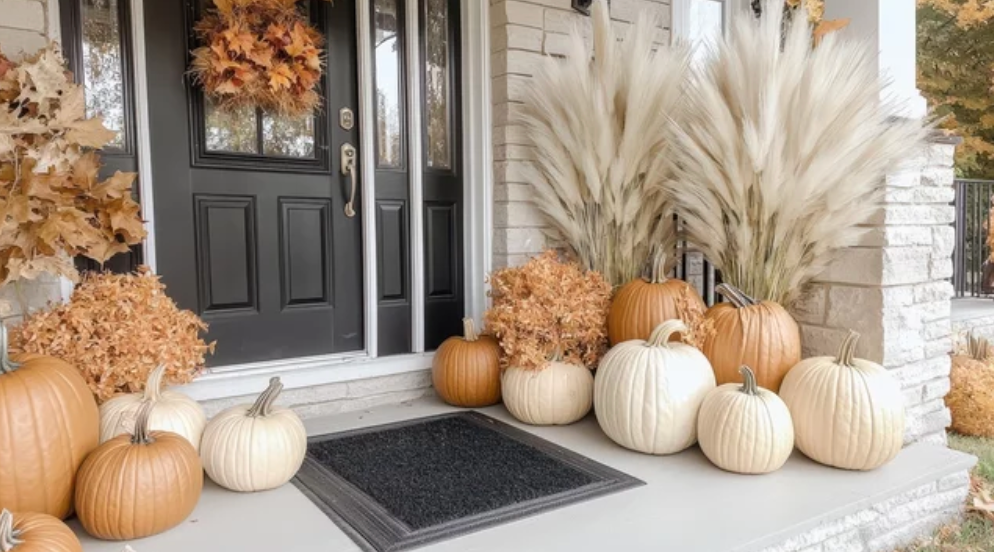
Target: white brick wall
[(27, 25), (522, 31), (893, 289)]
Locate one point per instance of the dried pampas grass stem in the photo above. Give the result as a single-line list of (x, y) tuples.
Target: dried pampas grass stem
[(783, 151)]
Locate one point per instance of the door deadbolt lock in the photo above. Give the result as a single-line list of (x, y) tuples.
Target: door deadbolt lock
[(348, 162), (346, 119)]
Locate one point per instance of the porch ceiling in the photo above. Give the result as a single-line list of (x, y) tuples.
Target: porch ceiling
[(687, 504)]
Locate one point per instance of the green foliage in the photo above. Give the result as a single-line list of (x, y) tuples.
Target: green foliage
[(956, 75)]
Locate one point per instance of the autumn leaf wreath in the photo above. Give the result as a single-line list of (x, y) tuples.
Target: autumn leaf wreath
[(259, 53)]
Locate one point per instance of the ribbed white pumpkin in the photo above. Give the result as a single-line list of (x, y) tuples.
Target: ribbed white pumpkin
[(848, 412), (647, 393), (745, 428), (254, 447), (558, 394), (173, 411)]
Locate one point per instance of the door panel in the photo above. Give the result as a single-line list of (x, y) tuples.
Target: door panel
[(256, 240)]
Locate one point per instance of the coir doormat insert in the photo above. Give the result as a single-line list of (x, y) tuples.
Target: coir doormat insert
[(407, 484)]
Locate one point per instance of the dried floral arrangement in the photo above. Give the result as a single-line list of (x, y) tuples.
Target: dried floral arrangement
[(691, 310), (600, 131), (115, 329), (52, 204), (549, 306), (781, 152), (971, 387), (814, 10), (259, 53)]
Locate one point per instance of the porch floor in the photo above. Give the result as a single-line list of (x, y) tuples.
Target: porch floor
[(686, 505)]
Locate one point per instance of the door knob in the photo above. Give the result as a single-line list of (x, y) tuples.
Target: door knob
[(348, 169)]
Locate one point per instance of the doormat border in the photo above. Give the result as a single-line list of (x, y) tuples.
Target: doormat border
[(374, 529)]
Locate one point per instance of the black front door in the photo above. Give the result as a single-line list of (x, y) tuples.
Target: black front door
[(250, 223)]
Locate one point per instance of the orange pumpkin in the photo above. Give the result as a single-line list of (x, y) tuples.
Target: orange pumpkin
[(761, 335), (466, 369), (136, 486), (49, 422), (36, 533), (644, 303)]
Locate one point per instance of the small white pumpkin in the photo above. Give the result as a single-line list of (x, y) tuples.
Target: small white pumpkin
[(745, 428), (254, 447), (560, 393), (173, 411), (647, 393), (848, 412)]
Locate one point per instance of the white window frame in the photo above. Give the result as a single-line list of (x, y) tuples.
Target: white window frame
[(242, 379)]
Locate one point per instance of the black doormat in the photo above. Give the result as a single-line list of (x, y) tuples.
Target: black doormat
[(407, 484)]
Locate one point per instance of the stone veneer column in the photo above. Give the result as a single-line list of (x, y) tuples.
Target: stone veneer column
[(522, 32)]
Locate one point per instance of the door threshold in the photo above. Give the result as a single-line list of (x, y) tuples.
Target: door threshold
[(246, 379)]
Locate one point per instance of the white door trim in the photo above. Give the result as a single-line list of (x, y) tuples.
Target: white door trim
[(415, 172), (242, 379)]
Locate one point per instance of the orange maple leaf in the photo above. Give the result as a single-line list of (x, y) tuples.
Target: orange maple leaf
[(281, 76)]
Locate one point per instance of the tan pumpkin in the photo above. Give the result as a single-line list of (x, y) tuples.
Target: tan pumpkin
[(559, 393), (466, 370), (761, 335), (745, 428), (971, 390), (36, 533), (254, 447), (848, 412), (647, 393), (136, 486), (49, 422), (174, 411), (644, 303)]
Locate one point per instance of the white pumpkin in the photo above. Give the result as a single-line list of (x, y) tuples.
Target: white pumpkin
[(745, 428), (173, 411), (848, 412), (647, 393), (254, 447), (558, 394)]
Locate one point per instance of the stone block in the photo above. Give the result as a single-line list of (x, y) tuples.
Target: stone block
[(933, 291), (918, 373), (28, 15), (519, 241), (513, 171), (510, 88), (940, 267), (939, 346), (633, 10), (935, 310), (564, 21), (555, 44), (516, 12), (905, 214), (510, 134), (513, 191), (514, 152), (879, 236), (508, 113), (810, 307), (907, 534), (924, 419), (518, 214), (938, 176), (16, 43), (941, 156), (918, 195), (943, 241), (820, 341)]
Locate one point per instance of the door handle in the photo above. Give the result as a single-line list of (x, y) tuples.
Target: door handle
[(348, 169)]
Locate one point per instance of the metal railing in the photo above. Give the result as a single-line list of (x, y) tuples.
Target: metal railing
[(973, 273)]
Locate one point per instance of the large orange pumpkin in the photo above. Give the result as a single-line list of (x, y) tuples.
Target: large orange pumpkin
[(36, 533), (761, 335), (136, 486), (644, 303), (49, 422), (466, 369)]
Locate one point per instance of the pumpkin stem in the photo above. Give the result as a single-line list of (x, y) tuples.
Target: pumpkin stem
[(264, 404), (848, 349), (6, 365), (141, 435), (469, 330), (735, 296), (749, 385), (660, 336), (153, 385), (8, 535), (977, 347), (655, 272)]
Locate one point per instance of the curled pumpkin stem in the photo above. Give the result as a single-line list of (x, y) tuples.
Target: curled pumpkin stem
[(660, 336), (141, 435), (749, 385), (264, 404), (8, 535), (469, 332), (655, 272), (848, 349), (977, 347), (735, 296), (153, 385)]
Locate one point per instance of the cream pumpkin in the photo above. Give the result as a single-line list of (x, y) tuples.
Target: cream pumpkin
[(174, 412), (745, 428), (647, 393), (848, 412), (36, 533), (560, 393), (254, 447)]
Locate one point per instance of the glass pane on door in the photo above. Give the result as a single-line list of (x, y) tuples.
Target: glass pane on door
[(103, 63), (437, 79), (388, 47), (231, 130)]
